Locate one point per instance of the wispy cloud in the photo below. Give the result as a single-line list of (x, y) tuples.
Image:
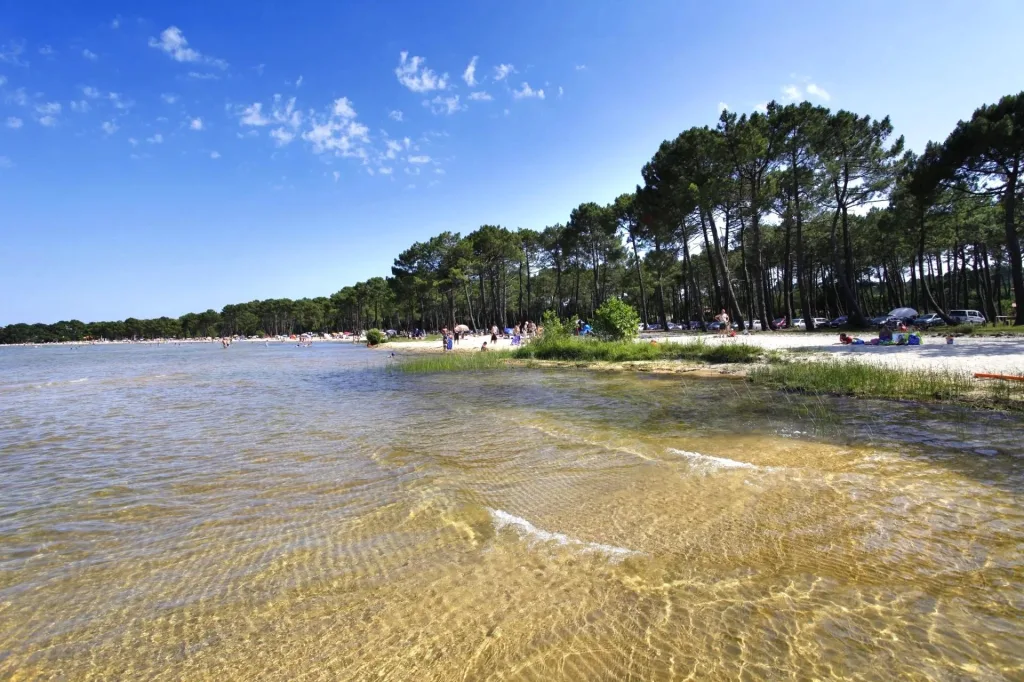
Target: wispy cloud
[(196, 124), (336, 175), (252, 115), (90, 55), (10, 53), (581, 67), (469, 75), (203, 76), (525, 91), (48, 121), (115, 23), (762, 107), (169, 97), (119, 102), (413, 74), (14, 122), (281, 136), (109, 127), (214, 155), (80, 106), (722, 106), (90, 92), (480, 96), (48, 108), (133, 142), (46, 51), (298, 82), (818, 91), (337, 131), (396, 115), (156, 139), (501, 71), (444, 105), (172, 41), (418, 159), (791, 93), (560, 91)]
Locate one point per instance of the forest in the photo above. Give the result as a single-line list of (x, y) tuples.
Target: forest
[(796, 211)]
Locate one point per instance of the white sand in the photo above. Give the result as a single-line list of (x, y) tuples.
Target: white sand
[(992, 355)]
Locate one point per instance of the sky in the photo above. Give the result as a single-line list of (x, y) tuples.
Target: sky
[(161, 158)]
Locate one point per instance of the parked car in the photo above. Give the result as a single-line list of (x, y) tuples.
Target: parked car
[(820, 323), (927, 321), (798, 323), (779, 323), (714, 326), (695, 325), (753, 325), (654, 327), (838, 321), (675, 327), (878, 321), (967, 316)]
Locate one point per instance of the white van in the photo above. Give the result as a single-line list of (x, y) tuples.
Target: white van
[(967, 316)]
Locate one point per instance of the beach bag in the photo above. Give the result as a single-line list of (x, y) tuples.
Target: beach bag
[(914, 340)]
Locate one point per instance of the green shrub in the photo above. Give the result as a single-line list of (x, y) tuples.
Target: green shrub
[(375, 337), (554, 328), (616, 320)]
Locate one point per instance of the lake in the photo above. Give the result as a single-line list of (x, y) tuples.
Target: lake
[(283, 513)]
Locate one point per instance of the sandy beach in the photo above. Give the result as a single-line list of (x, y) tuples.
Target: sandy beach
[(967, 354)]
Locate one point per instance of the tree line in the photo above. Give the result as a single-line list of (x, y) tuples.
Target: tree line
[(797, 211)]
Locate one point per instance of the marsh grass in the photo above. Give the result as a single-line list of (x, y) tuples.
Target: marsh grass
[(454, 362), (839, 377), (588, 350)]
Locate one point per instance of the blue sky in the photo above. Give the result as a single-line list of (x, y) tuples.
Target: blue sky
[(165, 157)]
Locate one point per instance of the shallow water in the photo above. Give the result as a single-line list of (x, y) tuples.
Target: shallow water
[(194, 513)]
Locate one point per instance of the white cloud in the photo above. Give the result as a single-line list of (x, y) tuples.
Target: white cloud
[(203, 76), (343, 108), (14, 122), (818, 92), (386, 170), (90, 55), (5, 162), (444, 105), (413, 74), (507, 112), (791, 93), (259, 69), (762, 107), (48, 121), (581, 67), (10, 53), (285, 112), (172, 41), (133, 142), (336, 175), (418, 159), (560, 91), (169, 97), (469, 75), (298, 82), (3, 81), (109, 127), (81, 106), (48, 108), (722, 106), (118, 102), (214, 155), (90, 92), (196, 124), (525, 91), (156, 139), (115, 23), (412, 171), (393, 147), (501, 71), (439, 171), (46, 50), (338, 132), (396, 115), (282, 136), (480, 96), (252, 115)]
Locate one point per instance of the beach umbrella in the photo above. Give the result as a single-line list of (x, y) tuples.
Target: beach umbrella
[(903, 312), (461, 328)]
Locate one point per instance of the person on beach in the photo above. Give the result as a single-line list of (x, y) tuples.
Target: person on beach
[(484, 347), (723, 319), (494, 334)]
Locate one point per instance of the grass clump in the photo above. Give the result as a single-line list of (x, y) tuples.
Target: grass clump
[(576, 349), (453, 362), (838, 377)]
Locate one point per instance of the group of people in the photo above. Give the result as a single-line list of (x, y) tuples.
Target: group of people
[(885, 338), (450, 339)]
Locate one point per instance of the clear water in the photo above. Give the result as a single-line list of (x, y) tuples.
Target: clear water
[(195, 513)]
